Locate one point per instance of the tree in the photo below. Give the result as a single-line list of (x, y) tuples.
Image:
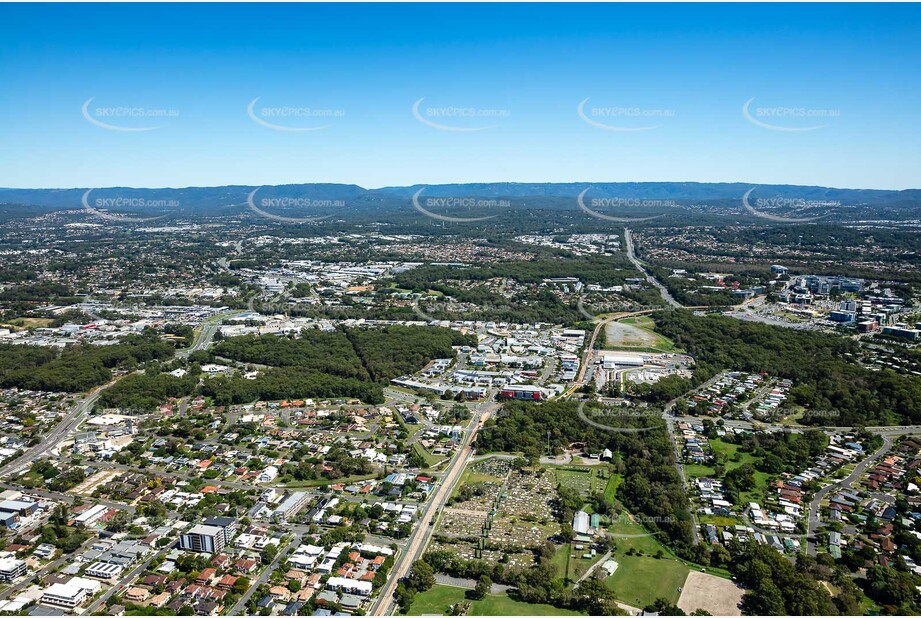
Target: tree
[(421, 577), (241, 585), (268, 553), (664, 608), (483, 586)]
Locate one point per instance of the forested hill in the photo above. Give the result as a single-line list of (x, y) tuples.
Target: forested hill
[(232, 198), (825, 376)]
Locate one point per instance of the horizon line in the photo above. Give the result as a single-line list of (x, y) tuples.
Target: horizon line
[(442, 184)]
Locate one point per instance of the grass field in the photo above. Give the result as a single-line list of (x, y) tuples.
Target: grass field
[(640, 580), (410, 430), (696, 471), (569, 562), (610, 489), (17, 324), (322, 482), (439, 598), (719, 520), (469, 476), (734, 458), (560, 560)]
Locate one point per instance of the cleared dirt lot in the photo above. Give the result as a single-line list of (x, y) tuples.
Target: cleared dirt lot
[(718, 596), (619, 334)]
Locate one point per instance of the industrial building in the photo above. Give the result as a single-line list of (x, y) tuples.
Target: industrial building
[(611, 360), (522, 391), (90, 516)]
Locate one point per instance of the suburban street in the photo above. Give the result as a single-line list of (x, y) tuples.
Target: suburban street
[(237, 609), (124, 581), (813, 519)]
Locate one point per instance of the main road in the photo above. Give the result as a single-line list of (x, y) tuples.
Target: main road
[(61, 430), (640, 266), (421, 534)]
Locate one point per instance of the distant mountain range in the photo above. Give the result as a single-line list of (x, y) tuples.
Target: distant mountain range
[(208, 200)]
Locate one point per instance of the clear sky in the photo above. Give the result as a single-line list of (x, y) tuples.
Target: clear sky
[(845, 78)]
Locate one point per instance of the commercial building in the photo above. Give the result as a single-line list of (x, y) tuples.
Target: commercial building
[(203, 539), (291, 505), (841, 316), (71, 594), (911, 334), (22, 508), (11, 568)]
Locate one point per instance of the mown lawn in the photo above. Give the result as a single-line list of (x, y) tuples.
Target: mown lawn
[(610, 490), (730, 451), (560, 560), (719, 520), (430, 460), (439, 598), (696, 471), (640, 580)]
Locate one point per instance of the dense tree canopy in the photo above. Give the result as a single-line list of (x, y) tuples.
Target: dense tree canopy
[(816, 362), (77, 368)]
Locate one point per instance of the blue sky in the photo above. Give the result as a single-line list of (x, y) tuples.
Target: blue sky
[(680, 73)]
